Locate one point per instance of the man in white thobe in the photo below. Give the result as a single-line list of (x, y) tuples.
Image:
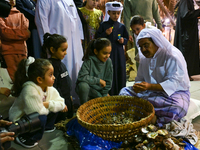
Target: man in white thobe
[(61, 17)]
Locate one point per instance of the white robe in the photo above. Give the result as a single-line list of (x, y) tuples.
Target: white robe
[(61, 17), (167, 67)]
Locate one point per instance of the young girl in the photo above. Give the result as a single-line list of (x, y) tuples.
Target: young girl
[(95, 76), (56, 45), (91, 19), (33, 88)]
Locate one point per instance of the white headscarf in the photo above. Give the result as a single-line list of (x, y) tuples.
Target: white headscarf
[(111, 7), (158, 38)]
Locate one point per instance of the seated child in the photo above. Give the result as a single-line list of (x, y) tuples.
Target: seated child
[(56, 45), (33, 88), (95, 76)]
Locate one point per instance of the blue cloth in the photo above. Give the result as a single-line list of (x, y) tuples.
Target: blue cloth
[(189, 146), (87, 140)]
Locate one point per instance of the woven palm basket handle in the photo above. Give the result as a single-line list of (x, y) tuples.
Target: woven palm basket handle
[(91, 114)]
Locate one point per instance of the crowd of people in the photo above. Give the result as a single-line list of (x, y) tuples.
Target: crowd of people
[(60, 51)]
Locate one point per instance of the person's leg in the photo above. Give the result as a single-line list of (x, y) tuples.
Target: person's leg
[(29, 139), (12, 62), (69, 114), (51, 117), (82, 90), (169, 108)]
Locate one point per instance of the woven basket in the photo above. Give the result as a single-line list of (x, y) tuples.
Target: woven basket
[(91, 113)]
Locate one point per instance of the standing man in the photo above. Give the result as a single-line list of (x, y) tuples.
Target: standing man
[(186, 35), (61, 17), (148, 9), (27, 7)]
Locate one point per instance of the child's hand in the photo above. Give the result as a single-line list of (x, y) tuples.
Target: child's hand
[(103, 83), (130, 38), (46, 104), (5, 91), (65, 109), (121, 40), (109, 31)]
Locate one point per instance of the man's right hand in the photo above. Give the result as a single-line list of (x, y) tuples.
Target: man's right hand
[(6, 136)]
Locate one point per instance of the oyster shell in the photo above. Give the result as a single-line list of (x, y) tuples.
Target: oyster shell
[(152, 135), (144, 130), (152, 128), (162, 132)]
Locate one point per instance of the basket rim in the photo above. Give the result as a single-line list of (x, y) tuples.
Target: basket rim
[(138, 123)]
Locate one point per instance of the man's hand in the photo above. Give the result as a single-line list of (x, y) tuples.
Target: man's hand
[(4, 123), (140, 87), (6, 136)]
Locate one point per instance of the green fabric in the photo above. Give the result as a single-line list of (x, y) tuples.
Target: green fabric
[(93, 70), (148, 9)]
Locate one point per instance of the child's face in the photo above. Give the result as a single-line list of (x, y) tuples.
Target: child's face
[(61, 51), (103, 54), (136, 28), (114, 15), (49, 78), (92, 3)]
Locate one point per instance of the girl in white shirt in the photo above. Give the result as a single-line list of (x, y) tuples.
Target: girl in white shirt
[(33, 88)]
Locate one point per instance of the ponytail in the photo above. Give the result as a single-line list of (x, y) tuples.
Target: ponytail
[(89, 50), (44, 53), (19, 79)]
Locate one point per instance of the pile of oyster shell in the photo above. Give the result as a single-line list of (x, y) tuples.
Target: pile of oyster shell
[(152, 138), (119, 119)]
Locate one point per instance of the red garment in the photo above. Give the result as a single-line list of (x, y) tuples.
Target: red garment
[(14, 33), (12, 62)]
